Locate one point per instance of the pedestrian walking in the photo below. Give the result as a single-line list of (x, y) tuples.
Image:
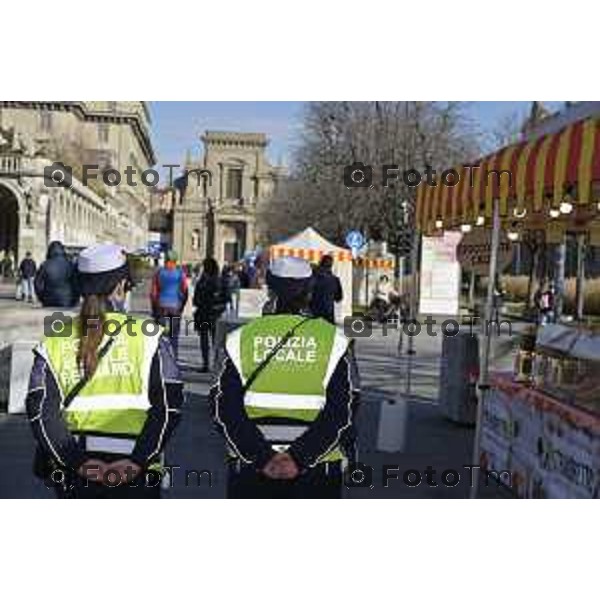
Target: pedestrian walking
[(168, 297), (545, 301), (7, 265), (286, 397), (497, 299), (104, 394), (231, 285), (209, 304), (11, 264), (327, 290), (27, 271), (251, 273), (242, 273), (56, 280)]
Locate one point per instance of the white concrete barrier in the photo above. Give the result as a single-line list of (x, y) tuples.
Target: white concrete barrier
[(393, 419), (20, 369)]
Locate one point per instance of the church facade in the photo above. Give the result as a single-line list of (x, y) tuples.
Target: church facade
[(218, 204)]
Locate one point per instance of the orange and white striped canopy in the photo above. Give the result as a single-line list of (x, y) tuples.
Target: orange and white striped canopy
[(375, 263), (309, 254), (537, 175), (310, 245)]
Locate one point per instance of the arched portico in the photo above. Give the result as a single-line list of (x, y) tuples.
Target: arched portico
[(11, 218)]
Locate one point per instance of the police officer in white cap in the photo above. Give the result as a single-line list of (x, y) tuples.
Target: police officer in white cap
[(105, 391), (285, 398)]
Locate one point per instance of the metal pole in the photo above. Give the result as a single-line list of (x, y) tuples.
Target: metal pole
[(484, 375), (579, 297), (413, 306), (366, 268), (472, 291), (559, 276), (401, 276)]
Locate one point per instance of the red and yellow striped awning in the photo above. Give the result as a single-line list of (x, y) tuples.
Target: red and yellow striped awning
[(541, 172), (309, 254)]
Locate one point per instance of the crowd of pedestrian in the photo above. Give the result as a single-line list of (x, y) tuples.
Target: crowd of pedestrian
[(55, 283)]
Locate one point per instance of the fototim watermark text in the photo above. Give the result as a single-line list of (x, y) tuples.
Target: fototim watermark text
[(359, 175)]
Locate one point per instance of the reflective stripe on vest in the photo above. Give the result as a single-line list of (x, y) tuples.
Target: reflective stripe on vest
[(94, 443), (115, 401), (282, 433), (292, 387)]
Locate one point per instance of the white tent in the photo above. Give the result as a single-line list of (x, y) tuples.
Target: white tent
[(311, 245)]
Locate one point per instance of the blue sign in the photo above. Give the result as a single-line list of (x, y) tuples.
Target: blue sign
[(154, 248), (355, 239)]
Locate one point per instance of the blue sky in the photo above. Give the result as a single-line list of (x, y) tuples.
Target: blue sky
[(177, 126)]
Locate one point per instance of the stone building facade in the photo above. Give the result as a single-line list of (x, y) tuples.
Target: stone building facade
[(217, 209), (34, 136)]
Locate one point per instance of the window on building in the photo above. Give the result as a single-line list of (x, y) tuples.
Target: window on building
[(234, 183), (103, 132), (45, 120), (195, 239)]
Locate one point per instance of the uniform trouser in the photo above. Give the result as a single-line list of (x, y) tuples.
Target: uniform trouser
[(78, 487), (173, 324), (322, 481)]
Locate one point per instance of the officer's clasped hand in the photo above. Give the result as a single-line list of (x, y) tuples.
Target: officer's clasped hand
[(281, 466)]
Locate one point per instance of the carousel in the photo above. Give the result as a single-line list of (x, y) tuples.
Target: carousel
[(540, 424)]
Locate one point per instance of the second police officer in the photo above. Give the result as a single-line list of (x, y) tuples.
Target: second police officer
[(286, 395)]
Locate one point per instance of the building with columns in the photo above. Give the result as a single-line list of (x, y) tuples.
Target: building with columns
[(33, 136), (216, 210)]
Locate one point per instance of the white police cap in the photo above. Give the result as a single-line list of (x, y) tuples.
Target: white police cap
[(290, 267), (101, 267), (101, 258)]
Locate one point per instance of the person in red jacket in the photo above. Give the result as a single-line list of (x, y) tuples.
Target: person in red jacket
[(169, 295)]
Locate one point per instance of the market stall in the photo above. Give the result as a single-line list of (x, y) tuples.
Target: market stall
[(312, 246), (530, 422), (539, 446)]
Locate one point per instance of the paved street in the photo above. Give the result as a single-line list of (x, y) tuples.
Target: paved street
[(431, 440)]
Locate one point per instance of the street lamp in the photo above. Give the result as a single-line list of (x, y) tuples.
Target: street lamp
[(565, 207)]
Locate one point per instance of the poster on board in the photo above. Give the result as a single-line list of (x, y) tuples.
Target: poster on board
[(440, 275)]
